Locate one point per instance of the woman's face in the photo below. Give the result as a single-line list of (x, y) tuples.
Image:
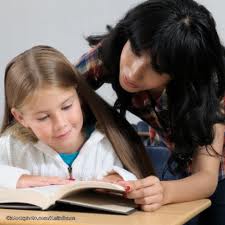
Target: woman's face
[(137, 74)]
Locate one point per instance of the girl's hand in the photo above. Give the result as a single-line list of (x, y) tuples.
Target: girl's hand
[(147, 192), (112, 178), (26, 181)]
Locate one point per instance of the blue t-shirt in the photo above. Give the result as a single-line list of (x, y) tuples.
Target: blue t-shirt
[(68, 158)]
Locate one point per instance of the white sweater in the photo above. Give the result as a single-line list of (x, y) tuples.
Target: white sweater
[(95, 160)]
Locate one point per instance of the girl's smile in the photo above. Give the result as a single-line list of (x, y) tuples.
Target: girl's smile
[(64, 135)]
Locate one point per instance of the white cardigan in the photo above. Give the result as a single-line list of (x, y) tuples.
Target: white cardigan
[(95, 160)]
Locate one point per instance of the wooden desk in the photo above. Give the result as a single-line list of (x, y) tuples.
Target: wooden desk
[(173, 214)]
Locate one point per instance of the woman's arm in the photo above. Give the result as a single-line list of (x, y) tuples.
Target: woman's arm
[(150, 193), (203, 181)]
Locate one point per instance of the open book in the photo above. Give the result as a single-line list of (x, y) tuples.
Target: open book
[(80, 193)]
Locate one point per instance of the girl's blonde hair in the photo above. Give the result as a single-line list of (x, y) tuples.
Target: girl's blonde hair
[(44, 65)]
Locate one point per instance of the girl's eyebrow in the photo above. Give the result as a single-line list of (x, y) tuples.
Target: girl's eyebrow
[(46, 111)]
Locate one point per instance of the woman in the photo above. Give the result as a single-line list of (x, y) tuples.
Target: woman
[(165, 62)]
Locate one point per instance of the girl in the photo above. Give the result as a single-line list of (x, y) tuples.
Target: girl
[(165, 62), (48, 133)]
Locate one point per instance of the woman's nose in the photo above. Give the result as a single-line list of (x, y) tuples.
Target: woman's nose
[(137, 68)]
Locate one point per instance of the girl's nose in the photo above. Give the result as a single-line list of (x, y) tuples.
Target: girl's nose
[(59, 122)]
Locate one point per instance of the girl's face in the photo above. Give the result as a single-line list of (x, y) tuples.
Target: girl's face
[(137, 74), (55, 117)]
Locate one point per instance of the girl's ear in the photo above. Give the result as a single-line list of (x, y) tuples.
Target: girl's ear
[(19, 117)]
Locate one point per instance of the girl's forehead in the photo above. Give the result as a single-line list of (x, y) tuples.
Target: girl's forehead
[(47, 97)]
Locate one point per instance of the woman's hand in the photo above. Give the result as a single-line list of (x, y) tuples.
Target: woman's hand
[(147, 192), (26, 181)]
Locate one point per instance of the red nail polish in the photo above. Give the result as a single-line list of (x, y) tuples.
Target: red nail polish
[(127, 189)]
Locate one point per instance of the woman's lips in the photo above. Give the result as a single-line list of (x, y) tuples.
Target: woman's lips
[(129, 83)]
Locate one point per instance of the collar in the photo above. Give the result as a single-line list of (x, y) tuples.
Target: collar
[(94, 138)]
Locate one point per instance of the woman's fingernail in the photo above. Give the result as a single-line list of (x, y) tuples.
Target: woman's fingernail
[(127, 189)]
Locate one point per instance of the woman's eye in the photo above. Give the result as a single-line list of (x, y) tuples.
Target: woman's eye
[(66, 107), (43, 118)]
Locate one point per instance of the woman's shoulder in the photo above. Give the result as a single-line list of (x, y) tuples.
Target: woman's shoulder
[(92, 68), (89, 60)]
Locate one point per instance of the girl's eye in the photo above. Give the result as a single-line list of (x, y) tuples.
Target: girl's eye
[(66, 107), (43, 118)]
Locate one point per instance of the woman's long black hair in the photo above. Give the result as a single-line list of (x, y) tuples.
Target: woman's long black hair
[(182, 41)]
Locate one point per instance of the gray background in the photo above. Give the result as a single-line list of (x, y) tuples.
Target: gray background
[(63, 24)]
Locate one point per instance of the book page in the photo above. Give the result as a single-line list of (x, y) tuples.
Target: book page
[(48, 191), (46, 196), (39, 196), (77, 186)]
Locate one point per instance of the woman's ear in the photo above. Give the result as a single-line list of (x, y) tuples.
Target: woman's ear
[(19, 117)]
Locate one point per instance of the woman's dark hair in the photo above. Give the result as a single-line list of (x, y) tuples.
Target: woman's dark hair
[(182, 41)]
